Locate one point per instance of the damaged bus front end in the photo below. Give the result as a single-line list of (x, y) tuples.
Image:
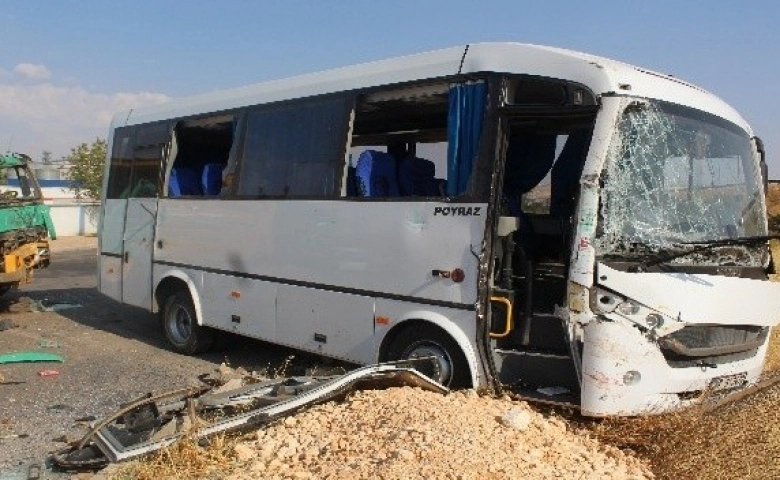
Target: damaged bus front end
[(669, 298)]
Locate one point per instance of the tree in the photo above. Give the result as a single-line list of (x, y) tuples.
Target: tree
[(86, 171)]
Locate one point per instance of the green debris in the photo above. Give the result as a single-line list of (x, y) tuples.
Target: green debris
[(24, 357)]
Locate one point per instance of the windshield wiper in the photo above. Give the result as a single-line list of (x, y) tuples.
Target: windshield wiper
[(701, 246)]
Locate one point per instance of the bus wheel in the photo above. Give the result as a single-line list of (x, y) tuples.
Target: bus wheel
[(181, 325), (451, 368)]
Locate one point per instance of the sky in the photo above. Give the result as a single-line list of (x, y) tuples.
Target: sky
[(67, 67)]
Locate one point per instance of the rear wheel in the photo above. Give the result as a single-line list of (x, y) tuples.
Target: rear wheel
[(449, 368), (180, 324)]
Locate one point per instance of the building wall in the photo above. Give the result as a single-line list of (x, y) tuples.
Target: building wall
[(71, 216)]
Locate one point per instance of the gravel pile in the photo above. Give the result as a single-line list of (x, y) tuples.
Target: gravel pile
[(409, 433)]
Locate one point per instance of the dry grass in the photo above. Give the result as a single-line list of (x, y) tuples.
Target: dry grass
[(773, 355), (737, 441), (183, 459), (773, 200)]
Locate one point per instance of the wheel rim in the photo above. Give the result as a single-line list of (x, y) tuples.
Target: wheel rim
[(441, 370), (179, 324)]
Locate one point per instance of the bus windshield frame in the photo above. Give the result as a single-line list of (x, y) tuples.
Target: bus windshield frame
[(675, 176)]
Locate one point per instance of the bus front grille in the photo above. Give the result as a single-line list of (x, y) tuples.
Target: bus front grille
[(697, 341)]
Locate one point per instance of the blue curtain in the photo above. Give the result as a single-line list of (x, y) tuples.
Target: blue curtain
[(464, 125)]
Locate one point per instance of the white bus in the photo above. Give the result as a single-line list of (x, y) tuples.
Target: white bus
[(562, 225)]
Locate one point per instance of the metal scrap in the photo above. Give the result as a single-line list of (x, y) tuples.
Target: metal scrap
[(156, 421)]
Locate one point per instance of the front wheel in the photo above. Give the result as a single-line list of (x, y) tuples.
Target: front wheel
[(450, 367), (181, 325)]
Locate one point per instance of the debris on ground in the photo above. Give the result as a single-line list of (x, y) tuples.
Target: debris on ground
[(32, 356), (6, 324), (37, 306), (27, 305), (48, 373), (44, 343), (153, 422)]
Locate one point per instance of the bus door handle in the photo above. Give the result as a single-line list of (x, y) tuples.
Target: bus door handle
[(508, 319), (127, 257)]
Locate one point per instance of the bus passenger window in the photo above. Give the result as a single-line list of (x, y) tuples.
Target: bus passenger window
[(202, 152), (428, 136), (296, 149)]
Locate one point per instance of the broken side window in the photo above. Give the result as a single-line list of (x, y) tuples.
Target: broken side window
[(416, 141), (200, 151)]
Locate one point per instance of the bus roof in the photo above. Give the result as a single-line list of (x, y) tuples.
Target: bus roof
[(600, 74)]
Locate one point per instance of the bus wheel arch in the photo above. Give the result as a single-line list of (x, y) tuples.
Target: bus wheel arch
[(417, 338), (179, 318)]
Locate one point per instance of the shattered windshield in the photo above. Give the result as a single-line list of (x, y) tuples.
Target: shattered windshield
[(676, 175)]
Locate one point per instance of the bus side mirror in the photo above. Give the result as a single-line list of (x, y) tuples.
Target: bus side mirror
[(762, 162)]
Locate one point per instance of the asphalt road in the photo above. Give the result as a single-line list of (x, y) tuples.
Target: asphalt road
[(113, 353)]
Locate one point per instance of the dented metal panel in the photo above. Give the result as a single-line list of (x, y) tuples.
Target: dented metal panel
[(583, 252), (697, 298)]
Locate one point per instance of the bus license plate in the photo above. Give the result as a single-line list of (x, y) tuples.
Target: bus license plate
[(727, 382)]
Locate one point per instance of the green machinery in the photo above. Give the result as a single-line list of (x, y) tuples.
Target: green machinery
[(25, 222)]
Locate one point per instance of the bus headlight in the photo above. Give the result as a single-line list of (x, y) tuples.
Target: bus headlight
[(654, 321), (628, 308)]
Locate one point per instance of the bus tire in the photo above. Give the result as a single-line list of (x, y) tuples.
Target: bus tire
[(180, 324), (427, 340)]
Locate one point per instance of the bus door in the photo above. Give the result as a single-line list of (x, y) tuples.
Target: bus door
[(137, 251), (112, 221), (141, 216)]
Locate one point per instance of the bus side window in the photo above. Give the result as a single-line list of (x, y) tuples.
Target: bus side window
[(200, 152), (121, 163), (295, 149), (430, 132)]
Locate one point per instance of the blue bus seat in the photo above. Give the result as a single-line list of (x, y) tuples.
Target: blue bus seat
[(416, 177), (376, 174), (183, 181), (211, 179)]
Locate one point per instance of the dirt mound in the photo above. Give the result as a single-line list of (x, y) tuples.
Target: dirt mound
[(409, 433)]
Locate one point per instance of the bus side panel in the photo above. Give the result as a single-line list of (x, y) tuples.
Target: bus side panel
[(110, 276), (240, 305), (367, 248), (330, 323)]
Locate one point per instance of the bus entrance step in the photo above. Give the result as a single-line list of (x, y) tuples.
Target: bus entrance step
[(557, 398), (535, 353), (536, 369)]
